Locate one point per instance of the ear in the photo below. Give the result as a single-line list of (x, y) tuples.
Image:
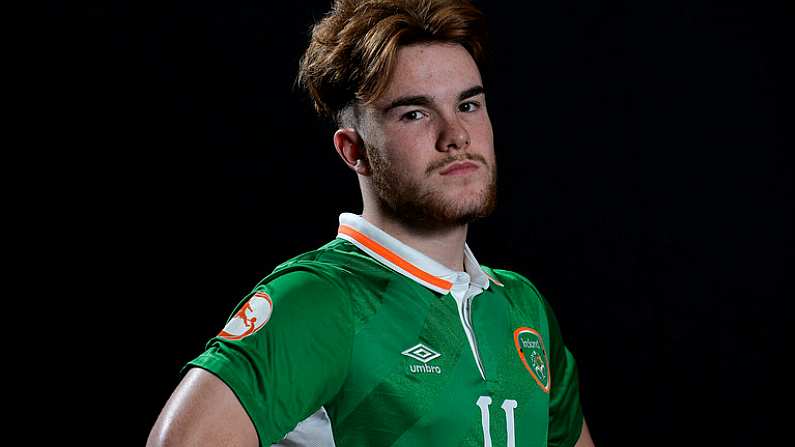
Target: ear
[(350, 148)]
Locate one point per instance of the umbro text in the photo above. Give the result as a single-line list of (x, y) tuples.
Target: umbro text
[(428, 369)]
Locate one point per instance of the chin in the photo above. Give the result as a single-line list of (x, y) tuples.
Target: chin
[(436, 206), (464, 208)]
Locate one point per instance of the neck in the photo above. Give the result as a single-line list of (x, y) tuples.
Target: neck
[(445, 245)]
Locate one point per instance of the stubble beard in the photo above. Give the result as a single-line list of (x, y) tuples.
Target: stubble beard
[(408, 201)]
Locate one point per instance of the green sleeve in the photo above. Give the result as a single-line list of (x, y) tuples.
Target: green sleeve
[(565, 412), (296, 362)]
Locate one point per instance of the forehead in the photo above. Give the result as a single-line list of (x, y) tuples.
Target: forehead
[(437, 70)]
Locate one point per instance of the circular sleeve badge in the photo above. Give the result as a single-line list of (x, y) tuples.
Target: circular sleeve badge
[(249, 319)]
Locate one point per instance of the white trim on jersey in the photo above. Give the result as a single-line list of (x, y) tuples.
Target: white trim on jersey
[(314, 431), (472, 275)]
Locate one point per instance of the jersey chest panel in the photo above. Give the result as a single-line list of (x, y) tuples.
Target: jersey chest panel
[(414, 381)]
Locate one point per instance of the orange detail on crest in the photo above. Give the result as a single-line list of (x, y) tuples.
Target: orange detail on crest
[(516, 334)]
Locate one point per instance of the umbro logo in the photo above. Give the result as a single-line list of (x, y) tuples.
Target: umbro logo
[(421, 353), (424, 354)]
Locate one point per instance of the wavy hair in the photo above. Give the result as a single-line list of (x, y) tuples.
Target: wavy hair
[(353, 49)]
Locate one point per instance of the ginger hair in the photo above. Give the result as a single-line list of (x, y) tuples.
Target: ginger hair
[(353, 49)]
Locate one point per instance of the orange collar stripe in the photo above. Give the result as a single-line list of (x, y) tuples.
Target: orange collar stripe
[(395, 259)]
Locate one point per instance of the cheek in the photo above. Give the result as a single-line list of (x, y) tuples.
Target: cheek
[(409, 149), (408, 163), (483, 137), (484, 127)]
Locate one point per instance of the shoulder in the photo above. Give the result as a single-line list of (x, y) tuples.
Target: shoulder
[(304, 291), (336, 258), (338, 262), (520, 289), (335, 268), (513, 281), (325, 264)]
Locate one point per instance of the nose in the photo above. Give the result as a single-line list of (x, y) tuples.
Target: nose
[(452, 136)]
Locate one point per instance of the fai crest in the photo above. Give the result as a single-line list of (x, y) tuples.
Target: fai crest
[(250, 318), (531, 350)]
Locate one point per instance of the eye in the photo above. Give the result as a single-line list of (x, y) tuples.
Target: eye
[(414, 115), (469, 106)]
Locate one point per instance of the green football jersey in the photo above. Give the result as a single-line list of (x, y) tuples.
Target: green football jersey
[(368, 342)]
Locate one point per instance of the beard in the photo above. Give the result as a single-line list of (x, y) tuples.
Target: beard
[(408, 200)]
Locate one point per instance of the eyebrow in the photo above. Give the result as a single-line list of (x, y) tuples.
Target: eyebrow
[(421, 100)]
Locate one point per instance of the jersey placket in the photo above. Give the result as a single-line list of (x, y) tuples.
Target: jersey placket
[(463, 293)]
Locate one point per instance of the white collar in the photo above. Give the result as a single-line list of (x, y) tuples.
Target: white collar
[(410, 262)]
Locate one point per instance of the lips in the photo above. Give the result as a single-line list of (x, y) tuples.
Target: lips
[(459, 168)]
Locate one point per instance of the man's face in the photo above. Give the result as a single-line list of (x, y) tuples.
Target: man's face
[(429, 139)]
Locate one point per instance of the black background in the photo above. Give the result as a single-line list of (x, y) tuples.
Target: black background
[(645, 187)]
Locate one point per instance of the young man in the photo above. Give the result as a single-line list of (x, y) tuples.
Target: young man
[(393, 333)]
